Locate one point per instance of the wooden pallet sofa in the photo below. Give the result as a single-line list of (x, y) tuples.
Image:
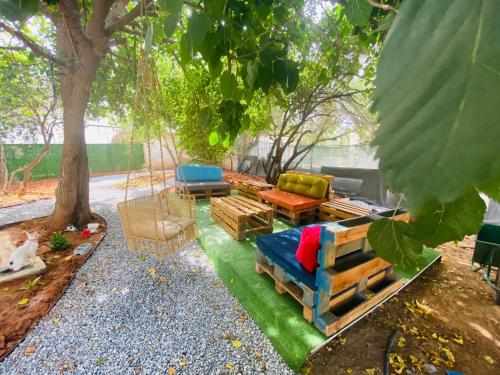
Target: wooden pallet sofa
[(297, 196), (350, 279), (201, 181)]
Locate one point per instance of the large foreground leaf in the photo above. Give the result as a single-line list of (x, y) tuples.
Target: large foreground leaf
[(438, 99), (394, 241), (451, 221)]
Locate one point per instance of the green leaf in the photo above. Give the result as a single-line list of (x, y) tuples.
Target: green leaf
[(215, 7), (18, 10), (226, 143), (197, 26), (171, 6), (170, 24), (252, 71), (228, 85), (148, 40), (215, 68), (394, 241), (186, 49), (451, 221), (385, 22), (437, 96), (213, 138), (492, 189), (358, 11), (245, 122), (205, 116), (292, 78)]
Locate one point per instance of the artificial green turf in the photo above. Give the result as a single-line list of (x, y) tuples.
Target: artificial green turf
[(279, 316)]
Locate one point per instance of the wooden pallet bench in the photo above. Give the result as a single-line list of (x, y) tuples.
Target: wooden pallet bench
[(240, 216), (291, 207), (350, 281), (284, 283), (204, 194), (250, 188), (341, 209)]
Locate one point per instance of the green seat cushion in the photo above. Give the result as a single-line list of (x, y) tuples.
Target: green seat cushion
[(309, 186)]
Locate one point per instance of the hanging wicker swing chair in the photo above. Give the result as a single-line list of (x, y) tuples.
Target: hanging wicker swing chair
[(160, 223)]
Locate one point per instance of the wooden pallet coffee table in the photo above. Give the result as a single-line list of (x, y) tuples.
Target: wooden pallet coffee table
[(249, 188), (240, 216), (341, 209)]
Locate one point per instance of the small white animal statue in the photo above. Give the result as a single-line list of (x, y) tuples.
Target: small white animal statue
[(25, 254)]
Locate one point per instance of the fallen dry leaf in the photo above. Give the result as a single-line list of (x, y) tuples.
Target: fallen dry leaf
[(29, 350), (397, 363), (348, 370), (57, 320), (183, 362), (236, 344), (101, 360), (152, 271), (23, 302), (230, 366), (171, 371), (488, 359), (401, 342)]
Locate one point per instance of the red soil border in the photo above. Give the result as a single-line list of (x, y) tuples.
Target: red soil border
[(69, 278)]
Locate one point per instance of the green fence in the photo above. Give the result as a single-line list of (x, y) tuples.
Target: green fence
[(102, 158)]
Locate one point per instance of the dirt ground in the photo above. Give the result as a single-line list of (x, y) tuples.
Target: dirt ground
[(36, 190), (445, 318), (22, 306)]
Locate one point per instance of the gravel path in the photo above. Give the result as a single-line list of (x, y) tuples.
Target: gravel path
[(116, 318)]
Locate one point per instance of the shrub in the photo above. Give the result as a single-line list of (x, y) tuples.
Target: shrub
[(58, 241)]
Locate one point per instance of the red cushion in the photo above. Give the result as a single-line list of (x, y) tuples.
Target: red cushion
[(307, 252)]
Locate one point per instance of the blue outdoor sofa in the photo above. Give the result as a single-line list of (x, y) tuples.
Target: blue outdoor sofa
[(201, 180), (350, 281)]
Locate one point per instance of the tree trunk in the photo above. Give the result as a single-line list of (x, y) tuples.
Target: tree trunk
[(72, 194), (4, 172), (29, 168)]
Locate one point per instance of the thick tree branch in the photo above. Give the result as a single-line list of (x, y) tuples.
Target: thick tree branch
[(69, 9), (31, 44), (96, 28), (137, 11), (386, 7)]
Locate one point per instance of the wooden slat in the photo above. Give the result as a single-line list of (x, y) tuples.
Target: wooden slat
[(243, 208), (225, 218), (293, 289), (346, 207), (252, 203), (246, 203), (345, 295), (350, 234), (348, 278), (228, 207), (365, 306), (226, 227)]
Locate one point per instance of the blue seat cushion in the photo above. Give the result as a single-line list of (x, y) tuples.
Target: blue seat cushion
[(196, 172), (281, 247)]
